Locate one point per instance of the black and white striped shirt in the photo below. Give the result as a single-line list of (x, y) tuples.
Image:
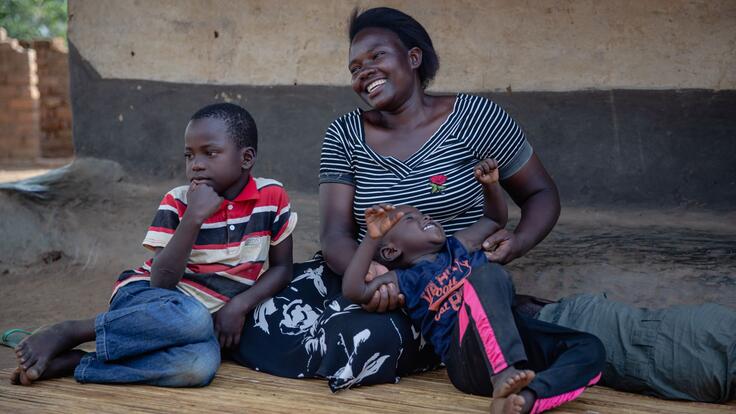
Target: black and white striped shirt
[(438, 178)]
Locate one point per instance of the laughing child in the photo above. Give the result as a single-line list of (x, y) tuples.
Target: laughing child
[(463, 306), (168, 319)]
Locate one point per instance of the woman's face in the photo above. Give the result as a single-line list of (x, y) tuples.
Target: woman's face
[(383, 71)]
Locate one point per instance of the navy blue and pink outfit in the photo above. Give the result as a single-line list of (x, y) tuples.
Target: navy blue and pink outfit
[(463, 306)]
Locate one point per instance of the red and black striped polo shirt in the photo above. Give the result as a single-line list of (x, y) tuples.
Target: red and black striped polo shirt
[(231, 246)]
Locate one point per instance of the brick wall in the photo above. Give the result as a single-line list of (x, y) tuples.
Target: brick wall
[(19, 101), (53, 84)]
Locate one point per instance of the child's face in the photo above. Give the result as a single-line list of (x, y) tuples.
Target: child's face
[(416, 234), (214, 159)]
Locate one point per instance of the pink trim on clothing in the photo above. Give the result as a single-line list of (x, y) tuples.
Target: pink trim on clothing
[(487, 336), (544, 404), (463, 320)]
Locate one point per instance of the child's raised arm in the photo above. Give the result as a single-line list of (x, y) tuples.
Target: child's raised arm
[(495, 212), (379, 220)]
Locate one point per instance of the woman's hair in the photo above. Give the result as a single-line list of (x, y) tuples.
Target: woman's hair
[(409, 31)]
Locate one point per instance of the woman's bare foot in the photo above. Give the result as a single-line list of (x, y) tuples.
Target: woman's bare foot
[(513, 404), (511, 381), (35, 352), (61, 366)]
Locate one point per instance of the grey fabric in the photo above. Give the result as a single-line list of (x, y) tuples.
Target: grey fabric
[(517, 162), (336, 177), (680, 352)]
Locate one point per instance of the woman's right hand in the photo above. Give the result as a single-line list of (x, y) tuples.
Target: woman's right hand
[(387, 297)]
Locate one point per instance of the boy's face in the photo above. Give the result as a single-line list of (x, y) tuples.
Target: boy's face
[(415, 234), (213, 158)]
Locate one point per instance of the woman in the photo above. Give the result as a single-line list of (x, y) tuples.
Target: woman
[(411, 147)]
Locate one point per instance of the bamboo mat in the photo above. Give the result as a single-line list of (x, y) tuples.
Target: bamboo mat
[(241, 390)]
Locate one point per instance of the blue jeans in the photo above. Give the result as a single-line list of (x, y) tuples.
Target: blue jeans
[(152, 336)]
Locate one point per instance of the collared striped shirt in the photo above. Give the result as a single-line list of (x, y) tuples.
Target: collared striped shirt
[(232, 245), (438, 178)]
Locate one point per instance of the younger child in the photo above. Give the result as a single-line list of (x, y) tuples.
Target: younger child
[(210, 240), (462, 304)]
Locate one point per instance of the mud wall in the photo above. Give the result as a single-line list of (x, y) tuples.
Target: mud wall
[(624, 101)]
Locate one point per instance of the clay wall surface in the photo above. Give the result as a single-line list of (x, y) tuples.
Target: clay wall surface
[(551, 45), (624, 101)]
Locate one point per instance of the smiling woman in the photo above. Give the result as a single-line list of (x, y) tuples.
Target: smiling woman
[(414, 148)]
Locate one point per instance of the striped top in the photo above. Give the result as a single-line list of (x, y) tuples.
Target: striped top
[(232, 244), (438, 178)]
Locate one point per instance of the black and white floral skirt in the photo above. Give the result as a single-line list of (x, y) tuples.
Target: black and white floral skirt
[(309, 330)]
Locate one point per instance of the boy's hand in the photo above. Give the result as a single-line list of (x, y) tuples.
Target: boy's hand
[(486, 171), (380, 218), (229, 322), (202, 201)]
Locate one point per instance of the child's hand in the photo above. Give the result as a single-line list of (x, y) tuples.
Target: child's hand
[(202, 201), (380, 218), (486, 171), (229, 322)]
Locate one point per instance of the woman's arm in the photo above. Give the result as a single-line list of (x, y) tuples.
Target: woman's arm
[(337, 227), (534, 191), (337, 238)]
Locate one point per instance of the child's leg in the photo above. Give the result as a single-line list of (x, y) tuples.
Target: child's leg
[(140, 320), (62, 365), (486, 343), (566, 362), (191, 365), (152, 336), (36, 353)]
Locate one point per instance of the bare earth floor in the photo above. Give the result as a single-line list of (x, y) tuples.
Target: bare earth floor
[(59, 256)]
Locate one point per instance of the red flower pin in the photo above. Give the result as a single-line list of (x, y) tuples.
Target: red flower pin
[(437, 182)]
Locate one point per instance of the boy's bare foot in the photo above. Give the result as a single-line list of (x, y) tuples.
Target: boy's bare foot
[(513, 404), (15, 376), (35, 352), (61, 366), (511, 381)]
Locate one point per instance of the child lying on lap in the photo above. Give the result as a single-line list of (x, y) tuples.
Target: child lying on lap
[(462, 305)]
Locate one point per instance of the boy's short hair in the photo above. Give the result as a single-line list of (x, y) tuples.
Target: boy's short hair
[(240, 125), (410, 32)]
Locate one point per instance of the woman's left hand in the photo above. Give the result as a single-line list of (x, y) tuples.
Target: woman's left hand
[(502, 247)]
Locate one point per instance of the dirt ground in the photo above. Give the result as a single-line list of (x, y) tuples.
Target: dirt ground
[(60, 254)]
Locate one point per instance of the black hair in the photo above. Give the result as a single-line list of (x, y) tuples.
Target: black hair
[(410, 32), (240, 125)]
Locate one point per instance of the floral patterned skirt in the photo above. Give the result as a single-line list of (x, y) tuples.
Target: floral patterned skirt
[(309, 330)]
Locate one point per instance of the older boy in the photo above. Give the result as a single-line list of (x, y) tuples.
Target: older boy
[(210, 241)]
